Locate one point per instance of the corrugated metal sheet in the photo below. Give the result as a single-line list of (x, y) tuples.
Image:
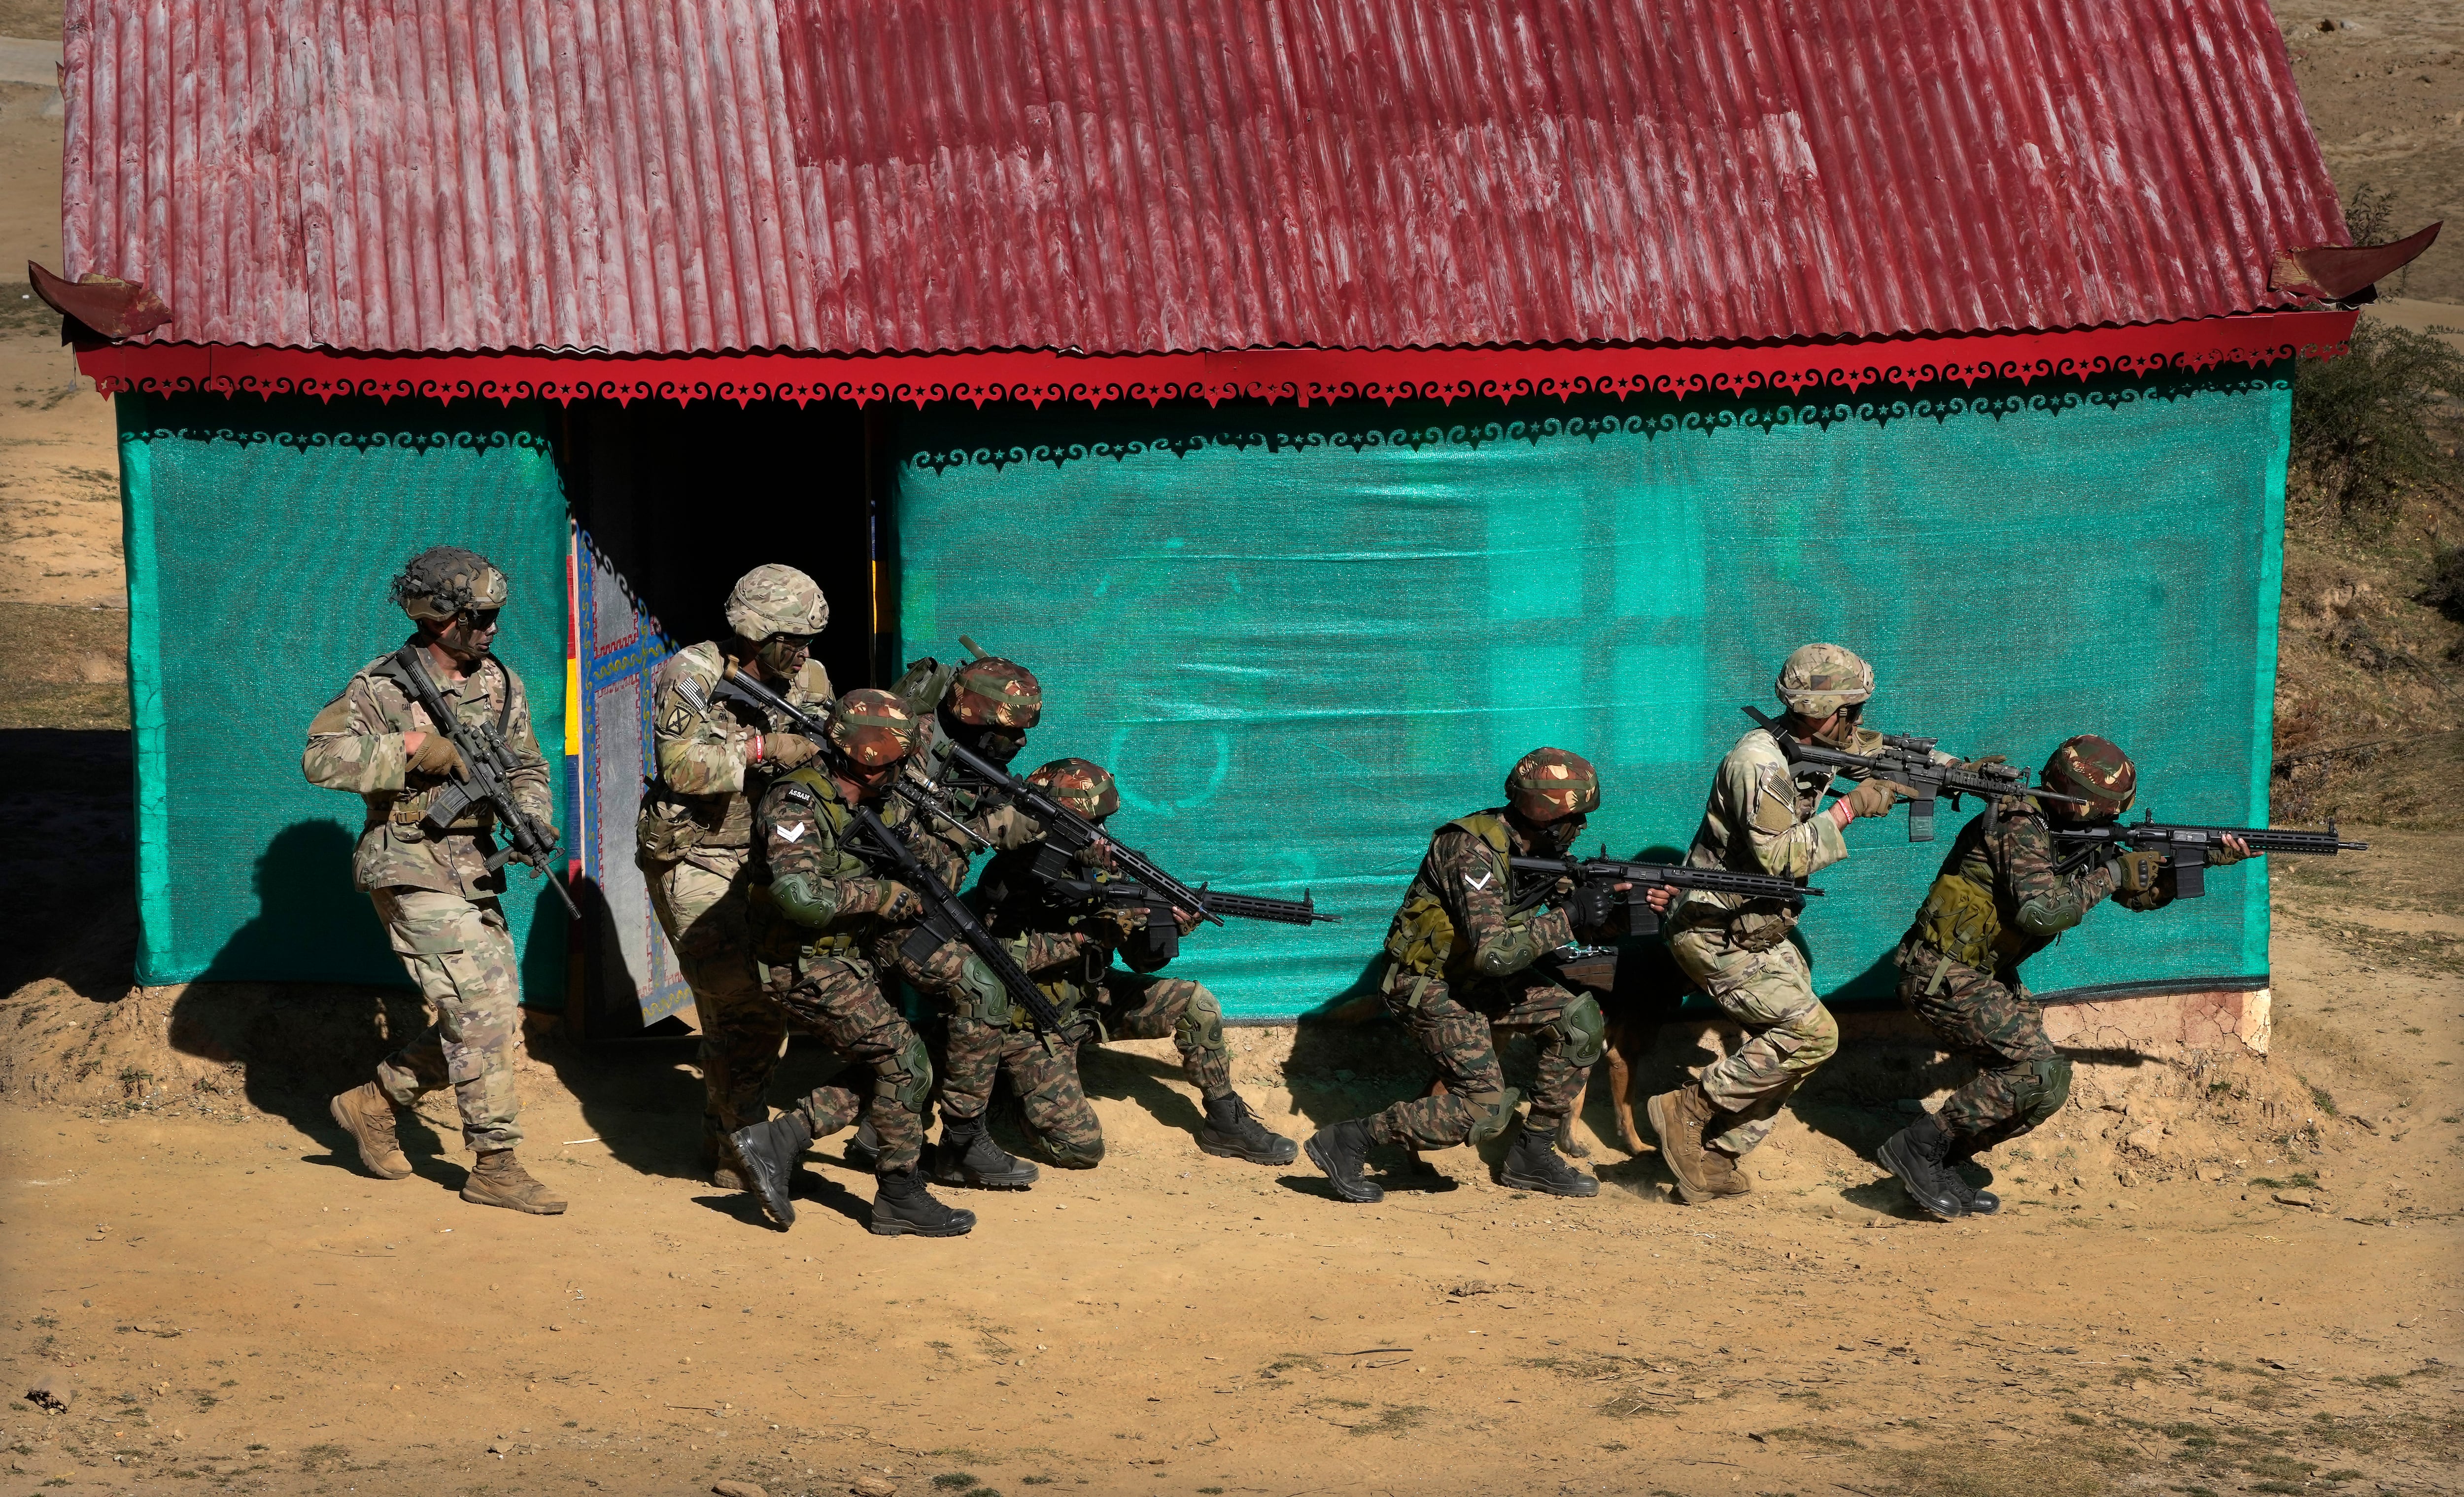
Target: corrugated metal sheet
[(1150, 175)]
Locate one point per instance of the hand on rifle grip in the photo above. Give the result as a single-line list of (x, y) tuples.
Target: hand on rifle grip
[(433, 755)]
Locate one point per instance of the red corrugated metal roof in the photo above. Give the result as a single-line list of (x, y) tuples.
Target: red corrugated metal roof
[(1147, 175)]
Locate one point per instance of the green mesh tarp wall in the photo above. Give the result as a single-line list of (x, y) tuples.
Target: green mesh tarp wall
[(1305, 638), (260, 537)]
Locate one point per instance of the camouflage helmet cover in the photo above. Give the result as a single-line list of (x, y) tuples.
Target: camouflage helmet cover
[(993, 693), (2096, 769), (1550, 784), (1082, 784), (1817, 680), (776, 600), (871, 728), (442, 581)]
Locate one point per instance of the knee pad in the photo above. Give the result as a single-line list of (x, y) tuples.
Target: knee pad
[(1584, 1029), (1491, 1113), (980, 993), (1200, 1025), (913, 1083), (2044, 1087)]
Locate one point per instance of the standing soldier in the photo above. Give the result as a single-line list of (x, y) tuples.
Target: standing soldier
[(815, 908), (696, 831), (1461, 963), (435, 891), (1762, 817), (1068, 948), (1999, 900)]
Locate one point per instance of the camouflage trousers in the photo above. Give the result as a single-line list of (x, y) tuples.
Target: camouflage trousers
[(1454, 1027), (702, 912), (1788, 1031), (2021, 1080), (461, 955), (842, 1002)]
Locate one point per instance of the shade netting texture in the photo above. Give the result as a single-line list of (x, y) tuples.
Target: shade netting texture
[(261, 535), (1304, 638)]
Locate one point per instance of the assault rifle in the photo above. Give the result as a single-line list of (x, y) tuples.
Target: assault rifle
[(1595, 897), (740, 687), (1098, 888), (2184, 849), (1910, 761), (945, 915), (486, 783), (1072, 834)]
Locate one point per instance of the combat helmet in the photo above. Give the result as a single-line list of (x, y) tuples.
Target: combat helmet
[(1081, 784), (993, 693), (1550, 784), (2095, 770), (1817, 680), (871, 729), (442, 581), (776, 600)]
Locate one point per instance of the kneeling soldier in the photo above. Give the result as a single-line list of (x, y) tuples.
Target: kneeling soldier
[(814, 908), (2000, 899)]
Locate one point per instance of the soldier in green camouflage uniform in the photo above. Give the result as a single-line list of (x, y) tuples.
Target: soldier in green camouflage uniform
[(1461, 963), (694, 834), (1068, 949), (2000, 899), (815, 907), (435, 893), (1763, 817)]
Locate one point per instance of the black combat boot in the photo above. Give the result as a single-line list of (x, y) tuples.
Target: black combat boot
[(1981, 1202), (1533, 1163), (967, 1155), (903, 1205), (1234, 1132), (1342, 1150), (767, 1154), (863, 1150), (1915, 1155)]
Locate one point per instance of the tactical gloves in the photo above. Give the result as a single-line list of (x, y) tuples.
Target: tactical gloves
[(437, 755), (2135, 873), (897, 901), (787, 750), (1877, 797)]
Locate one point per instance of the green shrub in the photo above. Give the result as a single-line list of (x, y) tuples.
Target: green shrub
[(2362, 423)]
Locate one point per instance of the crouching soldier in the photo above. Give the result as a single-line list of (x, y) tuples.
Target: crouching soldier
[(814, 907), (432, 887), (1999, 899)]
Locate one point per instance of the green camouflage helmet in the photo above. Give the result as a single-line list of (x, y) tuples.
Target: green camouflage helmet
[(993, 693), (1081, 784), (442, 581), (776, 600), (2096, 769), (1817, 680), (1550, 784), (871, 728)]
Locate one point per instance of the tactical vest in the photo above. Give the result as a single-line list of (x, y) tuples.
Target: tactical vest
[(1424, 939), (410, 806), (672, 824), (777, 938), (1961, 916)]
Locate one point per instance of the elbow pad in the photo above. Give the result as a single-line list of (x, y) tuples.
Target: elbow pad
[(2042, 916), (1507, 952), (806, 902)]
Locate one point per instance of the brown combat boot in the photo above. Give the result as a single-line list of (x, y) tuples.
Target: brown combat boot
[(1724, 1173), (1679, 1117), (498, 1180), (366, 1113)]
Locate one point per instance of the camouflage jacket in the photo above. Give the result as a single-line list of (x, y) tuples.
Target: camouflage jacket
[(1998, 899), (700, 808), (812, 898), (1454, 924), (356, 744), (1065, 947)]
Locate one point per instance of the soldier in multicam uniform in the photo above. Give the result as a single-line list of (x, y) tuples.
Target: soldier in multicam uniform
[(1461, 965), (436, 895), (1068, 950), (1761, 816), (694, 834), (814, 909), (1999, 901)]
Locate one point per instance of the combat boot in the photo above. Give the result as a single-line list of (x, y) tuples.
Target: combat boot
[(967, 1155), (1679, 1117), (718, 1165), (766, 1154), (1233, 1132), (863, 1150), (1915, 1155), (1980, 1201), (366, 1113), (1342, 1150), (903, 1207), (498, 1180), (1724, 1173), (1533, 1163)]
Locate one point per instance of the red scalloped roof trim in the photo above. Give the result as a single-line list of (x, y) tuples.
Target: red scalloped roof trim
[(1304, 375)]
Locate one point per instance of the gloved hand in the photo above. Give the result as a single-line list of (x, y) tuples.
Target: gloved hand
[(1980, 761), (897, 901), (786, 750), (2228, 852), (437, 755), (1877, 797), (2135, 873)]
